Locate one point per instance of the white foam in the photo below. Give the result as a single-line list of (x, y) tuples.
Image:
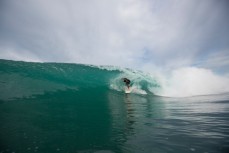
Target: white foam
[(191, 81), (138, 91), (108, 68)]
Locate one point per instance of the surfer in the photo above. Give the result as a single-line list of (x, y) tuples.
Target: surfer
[(127, 81)]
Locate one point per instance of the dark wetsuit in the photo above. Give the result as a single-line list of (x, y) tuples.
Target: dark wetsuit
[(127, 81)]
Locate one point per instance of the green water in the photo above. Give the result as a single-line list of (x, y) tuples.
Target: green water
[(70, 108)]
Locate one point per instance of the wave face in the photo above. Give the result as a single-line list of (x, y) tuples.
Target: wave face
[(25, 79)]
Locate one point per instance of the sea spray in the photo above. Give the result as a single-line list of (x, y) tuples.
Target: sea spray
[(192, 81)]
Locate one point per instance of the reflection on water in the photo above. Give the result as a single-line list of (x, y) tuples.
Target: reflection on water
[(132, 118), (157, 124)]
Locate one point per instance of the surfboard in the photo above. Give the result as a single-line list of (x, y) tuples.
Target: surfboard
[(128, 90)]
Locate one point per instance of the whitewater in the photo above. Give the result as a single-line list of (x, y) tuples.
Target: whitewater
[(60, 107)]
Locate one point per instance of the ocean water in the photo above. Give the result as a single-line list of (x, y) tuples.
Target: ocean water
[(73, 108)]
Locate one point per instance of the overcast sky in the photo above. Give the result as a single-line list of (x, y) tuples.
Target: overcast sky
[(142, 34)]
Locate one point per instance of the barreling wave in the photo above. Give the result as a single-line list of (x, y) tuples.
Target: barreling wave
[(26, 79)]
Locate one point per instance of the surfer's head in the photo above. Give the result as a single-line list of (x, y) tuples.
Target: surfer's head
[(124, 79)]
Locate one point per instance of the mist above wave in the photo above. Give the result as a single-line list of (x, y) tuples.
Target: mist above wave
[(191, 81)]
